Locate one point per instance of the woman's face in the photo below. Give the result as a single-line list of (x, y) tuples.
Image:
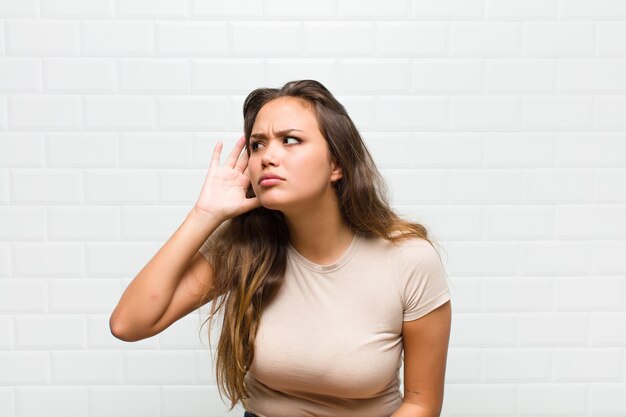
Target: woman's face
[(286, 142)]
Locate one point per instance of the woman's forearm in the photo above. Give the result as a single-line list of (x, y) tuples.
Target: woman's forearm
[(408, 409), (148, 295)]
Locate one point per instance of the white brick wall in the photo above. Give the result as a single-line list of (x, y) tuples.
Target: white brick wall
[(83, 9), (41, 37), (79, 75), (114, 38), (500, 124), (20, 75)]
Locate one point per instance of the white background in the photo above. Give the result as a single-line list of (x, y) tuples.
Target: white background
[(499, 124)]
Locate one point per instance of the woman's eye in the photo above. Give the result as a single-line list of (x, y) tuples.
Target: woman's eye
[(291, 137), (255, 145)]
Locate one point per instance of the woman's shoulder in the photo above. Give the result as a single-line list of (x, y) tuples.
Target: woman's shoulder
[(417, 251), (405, 247)]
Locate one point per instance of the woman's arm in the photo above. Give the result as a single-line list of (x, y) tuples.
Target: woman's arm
[(171, 285), (425, 352), (178, 278)]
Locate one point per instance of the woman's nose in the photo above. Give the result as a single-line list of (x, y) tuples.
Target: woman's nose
[(270, 153)]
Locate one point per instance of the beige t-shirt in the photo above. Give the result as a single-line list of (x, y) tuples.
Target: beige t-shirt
[(330, 343)]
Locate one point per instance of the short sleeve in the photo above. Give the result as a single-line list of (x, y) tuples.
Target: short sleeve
[(423, 284), (204, 249)]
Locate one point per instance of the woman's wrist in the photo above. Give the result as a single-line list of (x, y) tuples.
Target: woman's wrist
[(204, 217)]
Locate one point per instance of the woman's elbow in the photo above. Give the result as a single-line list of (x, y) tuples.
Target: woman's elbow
[(120, 330)]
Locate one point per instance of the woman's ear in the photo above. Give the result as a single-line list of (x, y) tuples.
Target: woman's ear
[(336, 173)]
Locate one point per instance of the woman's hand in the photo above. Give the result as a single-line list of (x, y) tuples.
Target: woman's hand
[(224, 191)]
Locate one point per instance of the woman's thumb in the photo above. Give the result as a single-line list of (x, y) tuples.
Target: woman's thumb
[(252, 203)]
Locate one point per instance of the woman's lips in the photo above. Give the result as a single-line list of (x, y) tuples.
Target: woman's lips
[(270, 178), (270, 181)]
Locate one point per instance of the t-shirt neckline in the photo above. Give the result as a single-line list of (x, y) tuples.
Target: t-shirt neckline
[(297, 256)]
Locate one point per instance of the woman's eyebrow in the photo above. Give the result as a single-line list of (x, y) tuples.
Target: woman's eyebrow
[(261, 135)]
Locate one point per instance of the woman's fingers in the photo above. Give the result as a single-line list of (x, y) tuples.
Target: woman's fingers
[(215, 159), (242, 162), (234, 154)]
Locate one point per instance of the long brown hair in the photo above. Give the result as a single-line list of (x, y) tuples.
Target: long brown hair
[(248, 253)]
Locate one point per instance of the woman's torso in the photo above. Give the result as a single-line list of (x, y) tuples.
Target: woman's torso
[(330, 343)]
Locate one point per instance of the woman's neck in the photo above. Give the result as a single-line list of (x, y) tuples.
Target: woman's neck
[(319, 235)]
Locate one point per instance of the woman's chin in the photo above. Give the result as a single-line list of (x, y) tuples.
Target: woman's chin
[(271, 205)]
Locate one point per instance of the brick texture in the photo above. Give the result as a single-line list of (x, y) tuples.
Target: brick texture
[(499, 124)]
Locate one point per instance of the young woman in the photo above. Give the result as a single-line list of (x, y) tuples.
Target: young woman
[(321, 285)]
